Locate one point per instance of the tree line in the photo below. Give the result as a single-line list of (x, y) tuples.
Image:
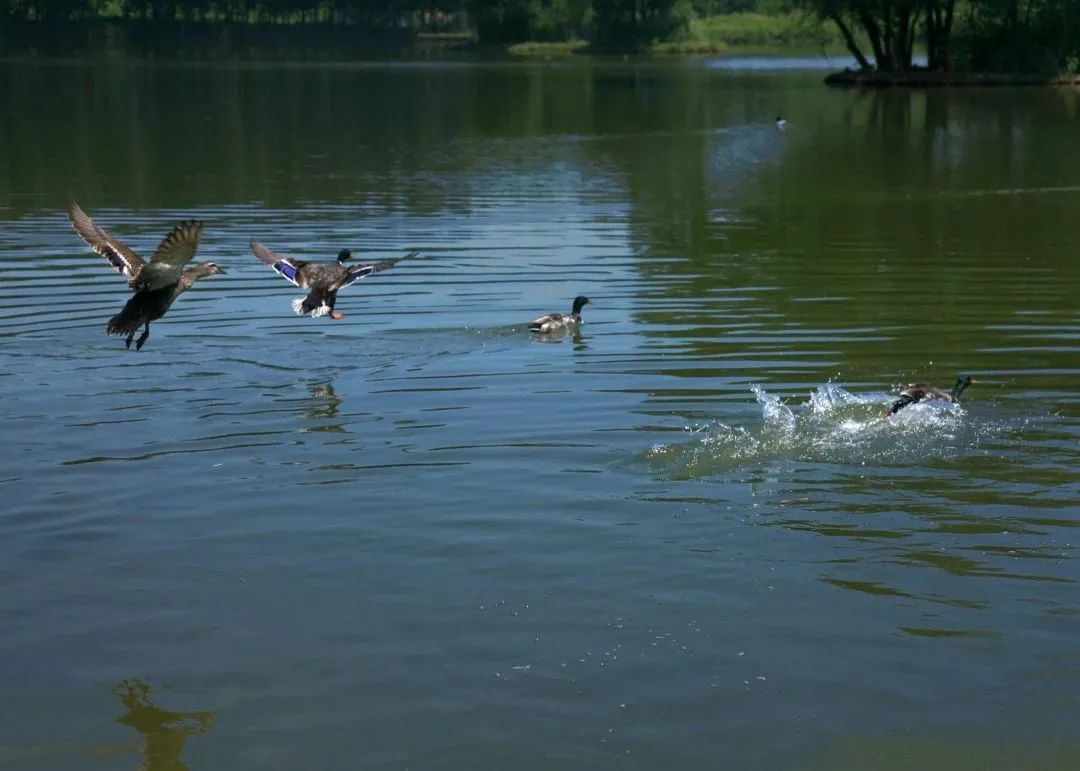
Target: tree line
[(493, 21), (885, 35)]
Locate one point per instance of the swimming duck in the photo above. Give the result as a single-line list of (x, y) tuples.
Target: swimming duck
[(154, 291), (923, 392), (151, 304), (166, 263), (322, 279), (557, 321), (781, 123)]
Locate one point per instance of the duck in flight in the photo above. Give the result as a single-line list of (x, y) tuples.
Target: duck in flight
[(323, 280), (165, 264), (554, 322), (157, 283), (919, 392)]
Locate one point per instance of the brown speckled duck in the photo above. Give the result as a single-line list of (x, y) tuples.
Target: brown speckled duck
[(323, 280), (554, 322), (156, 283), (923, 392)]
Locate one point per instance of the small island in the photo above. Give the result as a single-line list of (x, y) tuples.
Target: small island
[(962, 42)]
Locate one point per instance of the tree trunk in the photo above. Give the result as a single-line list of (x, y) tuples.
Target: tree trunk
[(939, 21), (849, 41), (873, 31)]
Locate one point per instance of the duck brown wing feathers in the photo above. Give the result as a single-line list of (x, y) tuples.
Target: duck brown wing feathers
[(118, 254), (537, 325), (177, 248), (359, 271)]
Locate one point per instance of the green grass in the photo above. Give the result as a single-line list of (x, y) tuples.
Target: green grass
[(740, 30), (723, 34), (564, 48)]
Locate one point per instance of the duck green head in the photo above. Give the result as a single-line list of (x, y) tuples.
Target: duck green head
[(962, 382), (344, 255), (579, 303)]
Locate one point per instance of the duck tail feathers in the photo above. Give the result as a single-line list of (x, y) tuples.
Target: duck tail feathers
[(124, 323)]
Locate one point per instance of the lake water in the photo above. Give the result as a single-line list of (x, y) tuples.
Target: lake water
[(420, 538)]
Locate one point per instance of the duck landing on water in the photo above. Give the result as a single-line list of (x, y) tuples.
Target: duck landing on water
[(919, 392), (156, 283), (321, 279), (554, 322), (148, 305)]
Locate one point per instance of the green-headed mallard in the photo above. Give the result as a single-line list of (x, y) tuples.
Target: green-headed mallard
[(321, 279), (923, 392), (157, 283), (554, 322)]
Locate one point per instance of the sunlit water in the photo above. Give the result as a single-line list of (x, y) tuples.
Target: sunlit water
[(419, 537)]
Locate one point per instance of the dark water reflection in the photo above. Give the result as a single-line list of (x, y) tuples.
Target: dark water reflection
[(418, 537)]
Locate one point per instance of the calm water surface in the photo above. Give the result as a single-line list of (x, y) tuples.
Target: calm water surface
[(420, 538)]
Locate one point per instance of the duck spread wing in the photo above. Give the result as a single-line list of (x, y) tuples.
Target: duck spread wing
[(359, 271), (168, 260), (114, 250), (179, 246), (286, 266)]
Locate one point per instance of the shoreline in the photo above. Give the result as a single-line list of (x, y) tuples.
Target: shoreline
[(926, 79)]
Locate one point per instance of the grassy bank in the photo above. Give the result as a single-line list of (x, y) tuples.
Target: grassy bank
[(721, 34)]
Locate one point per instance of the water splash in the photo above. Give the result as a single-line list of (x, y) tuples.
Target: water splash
[(832, 426)]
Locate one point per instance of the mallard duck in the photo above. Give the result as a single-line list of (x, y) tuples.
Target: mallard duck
[(152, 298), (322, 279), (923, 392), (166, 263), (151, 304), (556, 321)]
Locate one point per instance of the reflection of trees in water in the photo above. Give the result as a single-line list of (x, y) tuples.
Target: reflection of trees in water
[(874, 210), (394, 138), (164, 732)]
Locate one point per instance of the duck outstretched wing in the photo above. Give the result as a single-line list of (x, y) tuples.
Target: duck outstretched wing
[(118, 254), (168, 260), (286, 266), (179, 246), (357, 272)]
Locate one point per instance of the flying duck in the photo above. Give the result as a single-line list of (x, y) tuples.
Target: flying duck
[(154, 294), (166, 263), (148, 305), (322, 279), (923, 392), (554, 322)]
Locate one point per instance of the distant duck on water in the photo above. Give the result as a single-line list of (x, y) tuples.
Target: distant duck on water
[(919, 392), (554, 322), (323, 280), (157, 283), (781, 123)]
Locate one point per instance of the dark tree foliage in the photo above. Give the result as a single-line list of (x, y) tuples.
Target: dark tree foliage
[(634, 22), (615, 22), (995, 35)]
